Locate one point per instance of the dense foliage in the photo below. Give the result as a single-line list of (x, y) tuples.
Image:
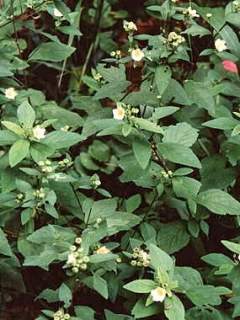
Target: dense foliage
[(119, 160)]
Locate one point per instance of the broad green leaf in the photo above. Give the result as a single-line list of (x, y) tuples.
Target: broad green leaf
[(172, 237), (222, 123), (7, 137), (5, 248), (174, 309), (65, 295), (18, 151), (219, 202), (232, 246), (160, 259), (182, 133), (61, 139), (13, 127), (147, 125), (140, 286), (142, 151), (26, 115), (52, 51), (162, 78), (178, 154), (141, 311)]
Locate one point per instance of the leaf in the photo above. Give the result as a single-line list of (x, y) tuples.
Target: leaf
[(5, 248), (185, 187), (26, 115), (187, 278), (61, 139), (13, 127), (162, 78), (163, 112), (181, 133), (140, 310), (65, 295), (140, 286), (147, 125), (7, 137), (200, 95), (205, 295), (142, 151), (174, 309), (18, 151), (159, 258), (100, 285), (52, 51), (232, 246), (178, 154), (231, 39), (219, 202), (172, 237), (222, 123)]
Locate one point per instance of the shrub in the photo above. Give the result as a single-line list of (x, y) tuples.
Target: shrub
[(119, 160)]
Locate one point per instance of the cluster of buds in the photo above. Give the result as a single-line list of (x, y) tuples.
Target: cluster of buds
[(61, 315), (236, 6), (166, 176), (140, 258), (192, 13), (65, 128), (123, 111), (175, 39), (129, 26), (116, 54), (95, 181), (77, 260), (46, 166), (65, 163), (97, 76), (19, 197), (39, 194)]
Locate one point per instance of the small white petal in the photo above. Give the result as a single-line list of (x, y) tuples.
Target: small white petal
[(137, 55), (10, 93), (158, 294), (39, 133)]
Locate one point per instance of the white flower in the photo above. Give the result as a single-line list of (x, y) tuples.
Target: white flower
[(119, 113), (103, 250), (10, 93), (57, 13), (129, 26), (39, 133), (192, 13), (220, 45), (137, 54), (158, 294)]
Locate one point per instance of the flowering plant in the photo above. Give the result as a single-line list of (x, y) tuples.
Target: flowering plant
[(119, 160)]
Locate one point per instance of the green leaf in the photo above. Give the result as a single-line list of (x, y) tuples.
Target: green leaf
[(100, 285), (206, 295), (219, 202), (65, 295), (7, 137), (61, 139), (231, 39), (222, 123), (185, 187), (5, 248), (162, 78), (159, 258), (140, 310), (178, 154), (140, 286), (26, 115), (182, 133), (52, 51), (187, 278), (13, 127), (172, 237), (232, 246), (174, 309), (147, 125), (18, 151), (142, 151)]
